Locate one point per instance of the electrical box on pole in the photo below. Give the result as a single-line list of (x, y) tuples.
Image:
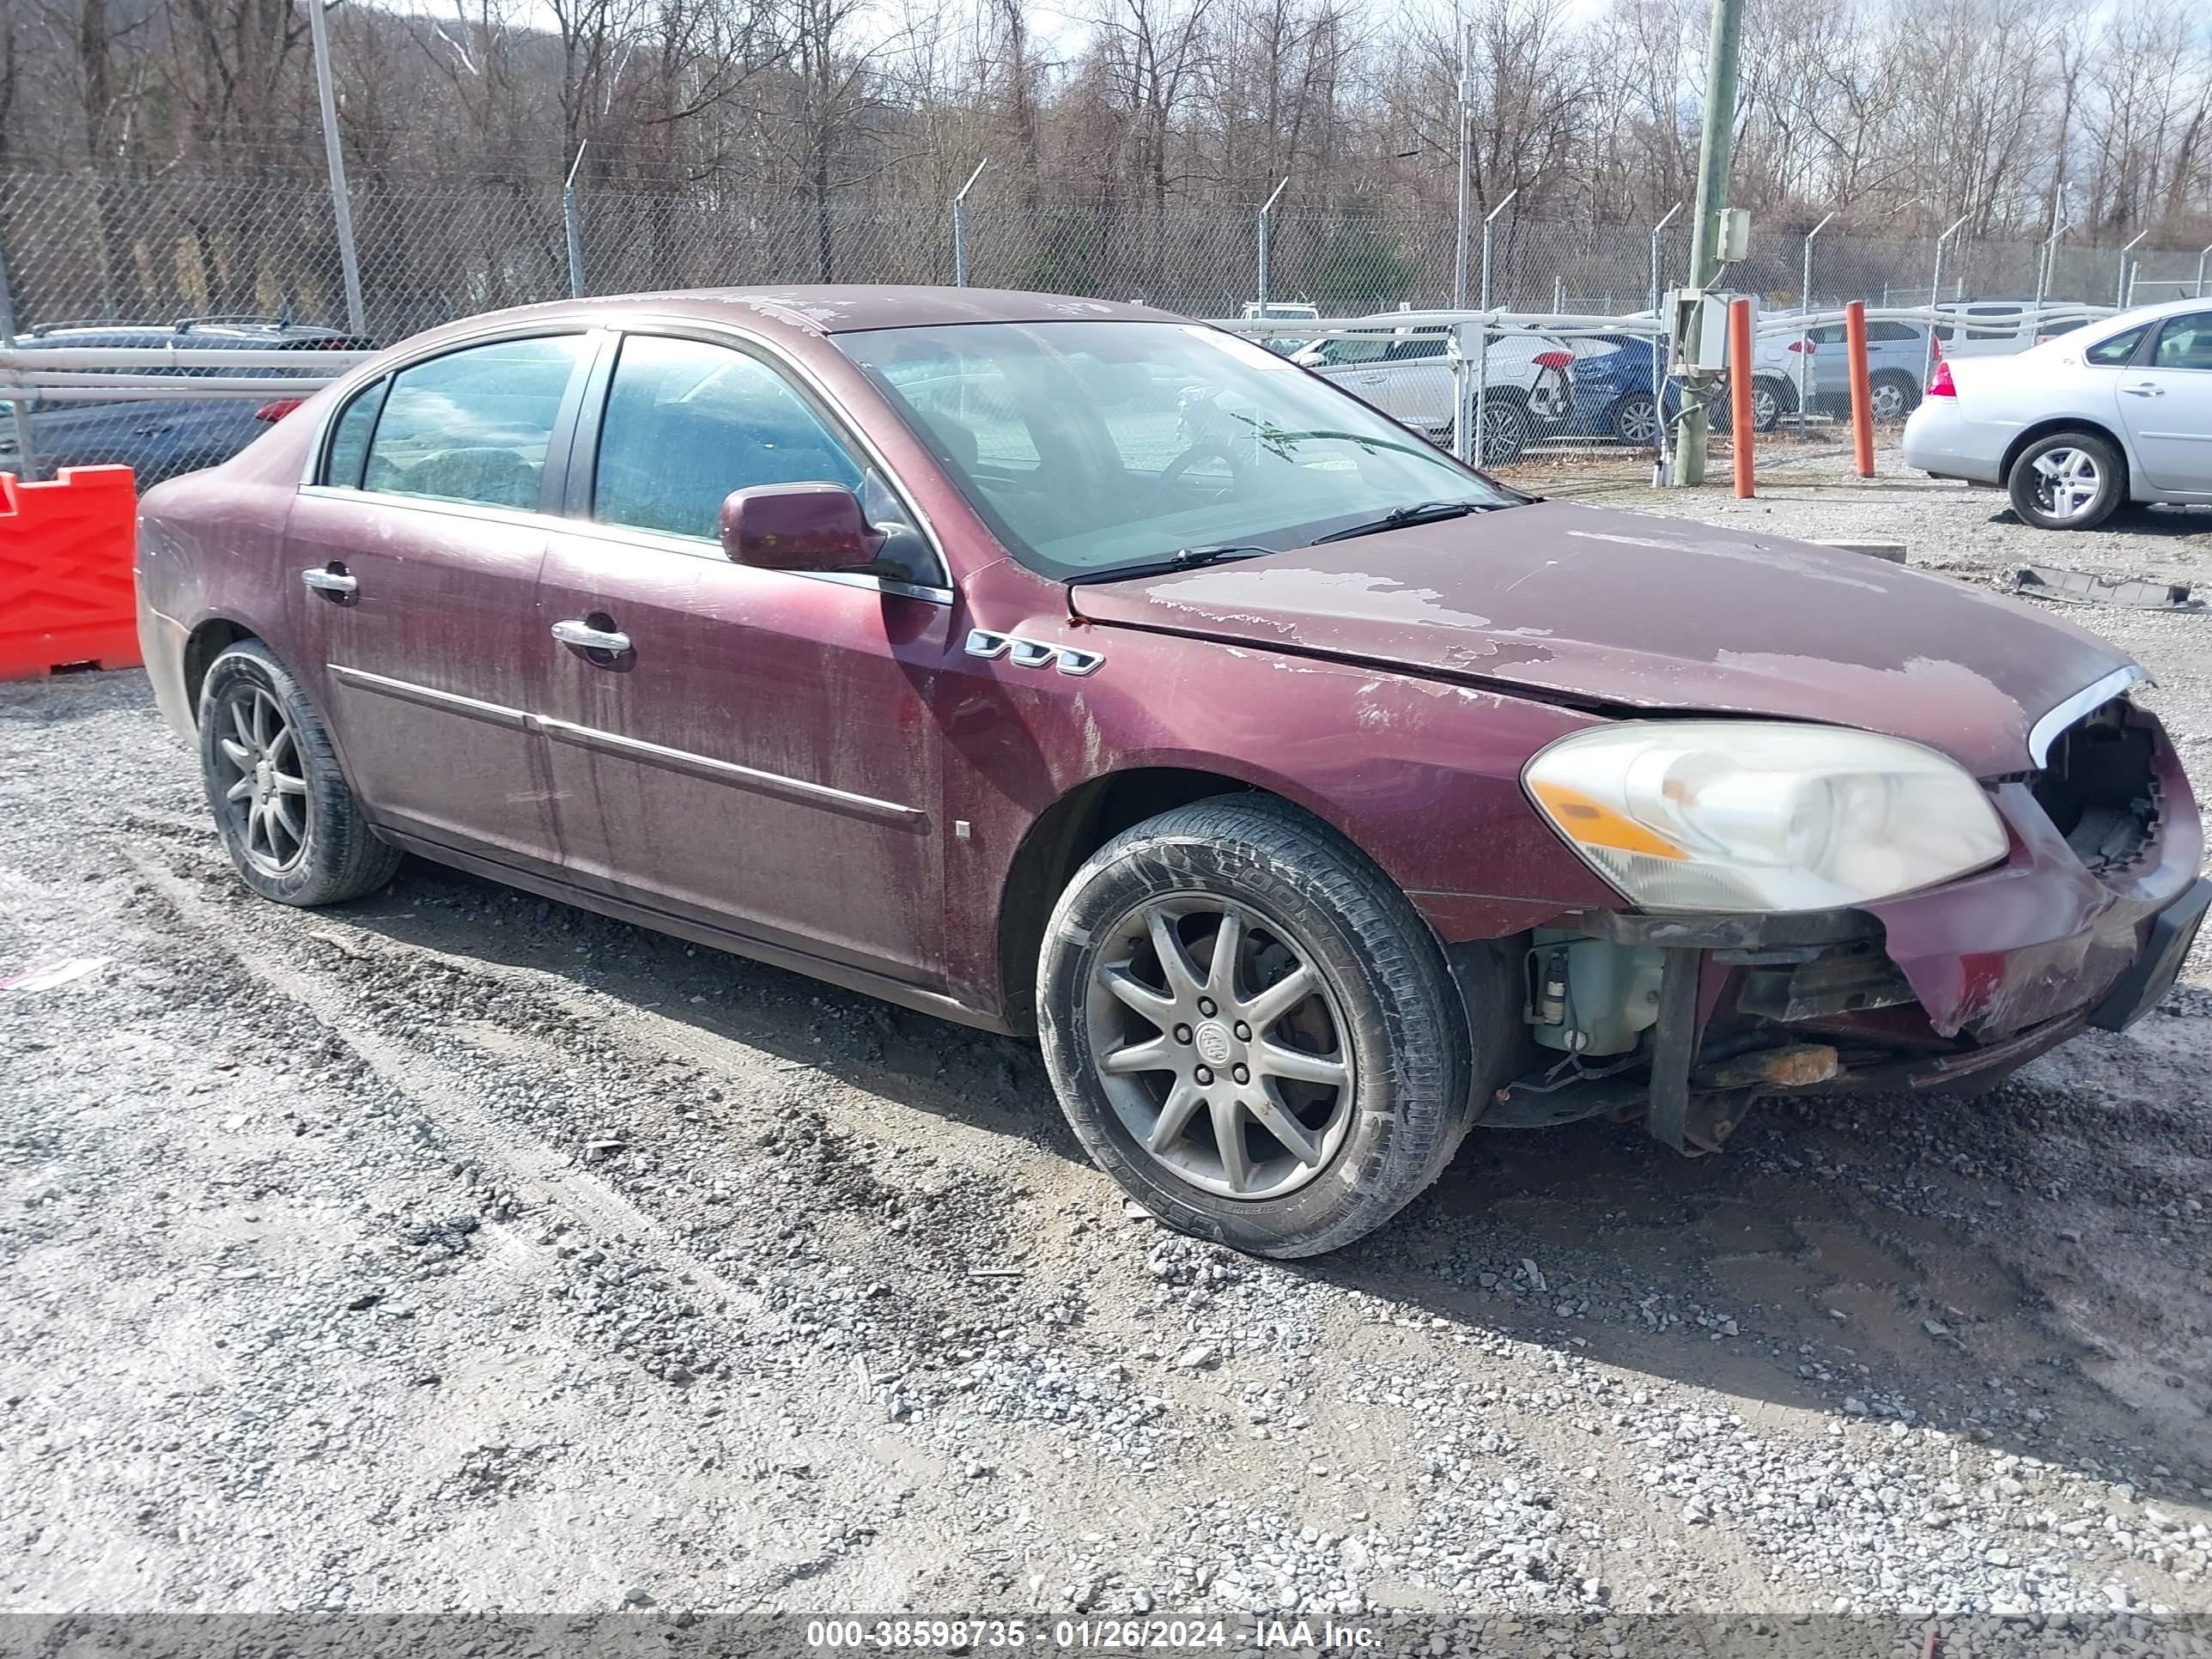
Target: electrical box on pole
[(1733, 234), (1697, 332)]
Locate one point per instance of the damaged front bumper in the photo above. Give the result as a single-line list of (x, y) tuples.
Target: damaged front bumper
[(2085, 923)]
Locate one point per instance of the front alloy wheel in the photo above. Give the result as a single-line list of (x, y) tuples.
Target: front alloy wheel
[(1255, 1033), (1219, 1047)]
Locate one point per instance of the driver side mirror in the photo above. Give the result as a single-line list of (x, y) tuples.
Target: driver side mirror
[(798, 526)]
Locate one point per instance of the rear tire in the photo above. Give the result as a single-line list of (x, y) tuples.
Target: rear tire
[(287, 819), (1337, 1005), (2066, 481), (1507, 431), (1635, 420), (1893, 395)]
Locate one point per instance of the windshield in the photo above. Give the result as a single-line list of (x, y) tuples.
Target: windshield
[(1089, 445)]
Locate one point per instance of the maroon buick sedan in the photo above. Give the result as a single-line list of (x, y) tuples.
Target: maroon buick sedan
[(1057, 665)]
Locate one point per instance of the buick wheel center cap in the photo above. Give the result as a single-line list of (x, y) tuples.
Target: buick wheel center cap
[(1213, 1042)]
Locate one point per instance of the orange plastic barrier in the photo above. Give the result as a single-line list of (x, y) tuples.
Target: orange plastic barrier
[(66, 551)]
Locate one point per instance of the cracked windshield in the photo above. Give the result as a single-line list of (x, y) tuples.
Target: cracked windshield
[(1088, 446)]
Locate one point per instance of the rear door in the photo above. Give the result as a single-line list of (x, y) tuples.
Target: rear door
[(762, 752), (2166, 404), (416, 549)]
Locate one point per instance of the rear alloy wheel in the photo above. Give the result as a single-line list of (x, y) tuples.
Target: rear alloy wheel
[(1636, 419), (2068, 481), (1894, 397), (1251, 1029), (1506, 431), (290, 823), (1768, 404)]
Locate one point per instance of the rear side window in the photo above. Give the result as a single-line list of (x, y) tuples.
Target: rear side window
[(2185, 342), (1420, 345), (473, 425), (687, 422), (1891, 333), (2116, 350), (350, 436)]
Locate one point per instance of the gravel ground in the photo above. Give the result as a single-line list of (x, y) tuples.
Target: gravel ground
[(457, 1250)]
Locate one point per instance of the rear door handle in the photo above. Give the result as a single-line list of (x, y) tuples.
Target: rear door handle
[(584, 637), (1368, 380), (2145, 389), (330, 579)]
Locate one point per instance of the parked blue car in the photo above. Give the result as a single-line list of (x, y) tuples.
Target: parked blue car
[(1613, 377), (160, 438)]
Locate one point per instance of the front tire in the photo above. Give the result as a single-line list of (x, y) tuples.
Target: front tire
[(2066, 481), (1285, 1097), (287, 819)]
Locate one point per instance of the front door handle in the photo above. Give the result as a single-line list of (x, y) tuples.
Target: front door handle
[(331, 579), (584, 637), (2145, 389), (1368, 380)]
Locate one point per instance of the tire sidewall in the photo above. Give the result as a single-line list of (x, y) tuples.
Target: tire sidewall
[(2020, 487), (1355, 1190)]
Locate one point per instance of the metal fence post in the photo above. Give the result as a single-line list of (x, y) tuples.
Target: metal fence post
[(2127, 281), (26, 457), (1264, 212), (341, 206), (575, 230), (1483, 303), (1463, 159), (960, 226), (2046, 268), (1659, 353), (1481, 371), (1804, 341), (2201, 253), (1935, 293)]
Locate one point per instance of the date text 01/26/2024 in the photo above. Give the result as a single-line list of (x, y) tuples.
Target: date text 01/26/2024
[(1291, 1636)]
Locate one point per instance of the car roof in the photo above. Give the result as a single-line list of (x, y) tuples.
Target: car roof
[(816, 311)]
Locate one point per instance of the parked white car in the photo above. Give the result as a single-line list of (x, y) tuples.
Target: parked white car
[(1400, 363), (2120, 410)]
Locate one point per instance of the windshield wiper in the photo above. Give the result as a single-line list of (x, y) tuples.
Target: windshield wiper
[(1418, 512), (1190, 558)]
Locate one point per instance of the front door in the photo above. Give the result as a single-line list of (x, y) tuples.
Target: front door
[(751, 748), (2167, 406), (416, 553)]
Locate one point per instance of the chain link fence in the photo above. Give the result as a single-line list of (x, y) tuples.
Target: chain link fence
[(149, 250)]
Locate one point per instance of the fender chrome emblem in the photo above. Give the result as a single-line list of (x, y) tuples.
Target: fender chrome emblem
[(1031, 653)]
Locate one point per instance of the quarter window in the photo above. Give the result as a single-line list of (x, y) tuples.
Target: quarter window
[(350, 436), (2185, 342), (475, 424), (2115, 351), (687, 422)]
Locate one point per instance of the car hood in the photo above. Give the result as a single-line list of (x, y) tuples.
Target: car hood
[(1629, 611)]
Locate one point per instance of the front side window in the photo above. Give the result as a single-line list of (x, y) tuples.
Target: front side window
[(1352, 348), (1418, 346), (688, 423), (2114, 351), (475, 424), (2185, 342), (1141, 440)]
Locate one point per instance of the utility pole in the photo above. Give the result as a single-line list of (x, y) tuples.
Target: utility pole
[(1713, 145)]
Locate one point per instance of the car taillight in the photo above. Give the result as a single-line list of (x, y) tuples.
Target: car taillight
[(277, 410), (1805, 346), (1938, 384), (1554, 359)]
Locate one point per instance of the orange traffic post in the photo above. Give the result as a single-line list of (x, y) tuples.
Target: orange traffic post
[(66, 552), (1740, 415), (1855, 359)]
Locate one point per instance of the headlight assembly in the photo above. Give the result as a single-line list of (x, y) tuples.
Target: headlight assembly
[(1747, 815)]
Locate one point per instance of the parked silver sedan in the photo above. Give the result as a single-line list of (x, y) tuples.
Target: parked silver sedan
[(2118, 411)]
